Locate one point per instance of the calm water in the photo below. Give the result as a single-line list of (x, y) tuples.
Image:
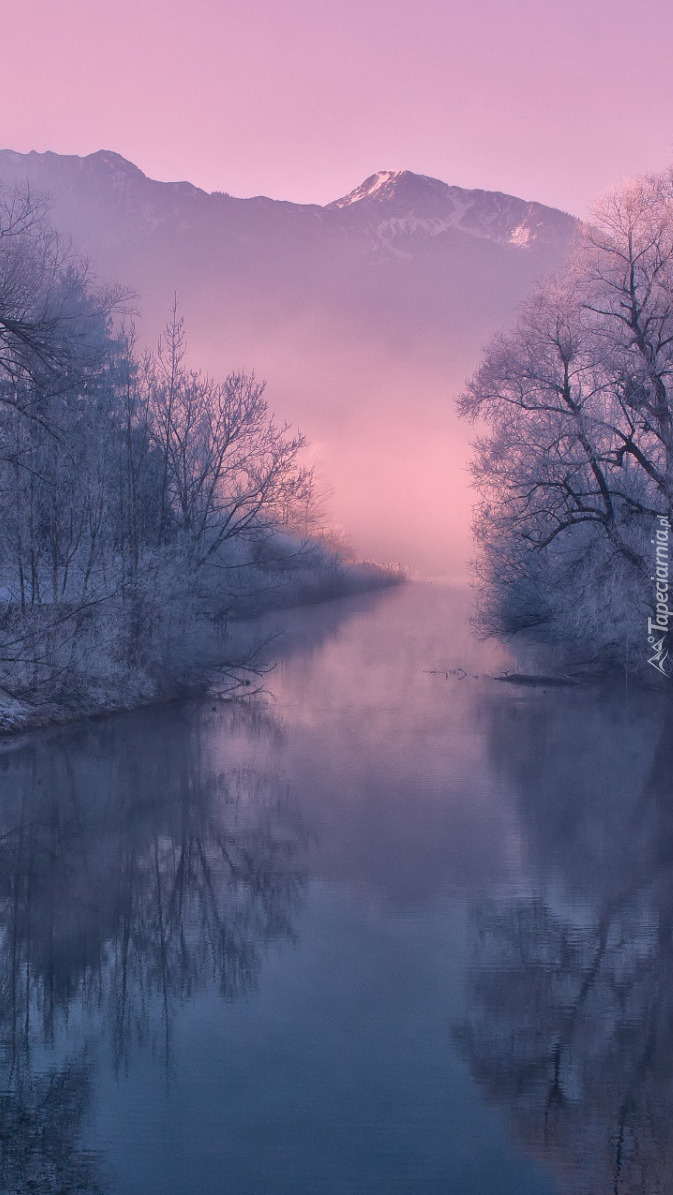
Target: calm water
[(390, 932)]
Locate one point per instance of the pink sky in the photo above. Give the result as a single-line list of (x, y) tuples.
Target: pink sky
[(302, 99)]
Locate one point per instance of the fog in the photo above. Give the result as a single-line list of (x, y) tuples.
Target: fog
[(365, 320)]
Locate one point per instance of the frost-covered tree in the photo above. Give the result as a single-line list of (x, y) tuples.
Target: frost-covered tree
[(574, 461), (228, 470), (51, 310), (144, 504)]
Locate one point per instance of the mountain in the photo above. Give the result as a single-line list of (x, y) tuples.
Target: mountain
[(399, 205), (365, 316)]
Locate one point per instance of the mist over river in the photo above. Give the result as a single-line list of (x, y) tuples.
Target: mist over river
[(392, 928)]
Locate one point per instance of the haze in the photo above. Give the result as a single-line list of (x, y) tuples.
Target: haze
[(364, 317), (302, 99)]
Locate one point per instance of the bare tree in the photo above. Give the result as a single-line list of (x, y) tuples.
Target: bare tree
[(144, 503), (576, 457), (52, 316), (229, 471)]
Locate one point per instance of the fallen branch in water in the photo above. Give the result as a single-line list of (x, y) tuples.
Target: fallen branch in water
[(460, 673), (527, 678)]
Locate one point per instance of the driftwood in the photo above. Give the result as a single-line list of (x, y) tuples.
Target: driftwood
[(527, 678), (460, 673), (513, 678)]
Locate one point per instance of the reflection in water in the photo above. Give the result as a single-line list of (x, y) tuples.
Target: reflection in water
[(40, 1120), (483, 856), (570, 1027), (132, 871)]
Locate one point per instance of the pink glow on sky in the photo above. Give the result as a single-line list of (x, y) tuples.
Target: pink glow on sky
[(303, 99)]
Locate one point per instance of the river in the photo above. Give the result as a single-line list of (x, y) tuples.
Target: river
[(392, 927)]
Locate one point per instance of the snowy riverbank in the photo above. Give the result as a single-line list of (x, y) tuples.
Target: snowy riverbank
[(211, 650)]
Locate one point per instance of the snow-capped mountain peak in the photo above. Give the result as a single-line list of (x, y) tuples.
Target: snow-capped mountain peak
[(399, 204), (383, 185), (394, 186)]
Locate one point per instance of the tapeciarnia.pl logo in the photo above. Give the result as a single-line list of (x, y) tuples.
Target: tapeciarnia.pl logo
[(657, 627)]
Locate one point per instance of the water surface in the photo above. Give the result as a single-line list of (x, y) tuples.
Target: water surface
[(394, 929)]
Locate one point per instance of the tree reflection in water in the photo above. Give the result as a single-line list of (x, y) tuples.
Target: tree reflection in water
[(570, 1027), (40, 1121), (133, 871)]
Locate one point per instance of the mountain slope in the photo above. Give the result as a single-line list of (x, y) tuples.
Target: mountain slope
[(364, 315), (399, 203)]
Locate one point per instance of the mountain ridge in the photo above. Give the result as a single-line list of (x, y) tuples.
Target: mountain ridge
[(397, 203)]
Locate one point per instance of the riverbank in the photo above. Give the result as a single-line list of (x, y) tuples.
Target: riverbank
[(210, 647)]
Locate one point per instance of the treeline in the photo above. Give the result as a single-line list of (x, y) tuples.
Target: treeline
[(574, 463), (145, 506)]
